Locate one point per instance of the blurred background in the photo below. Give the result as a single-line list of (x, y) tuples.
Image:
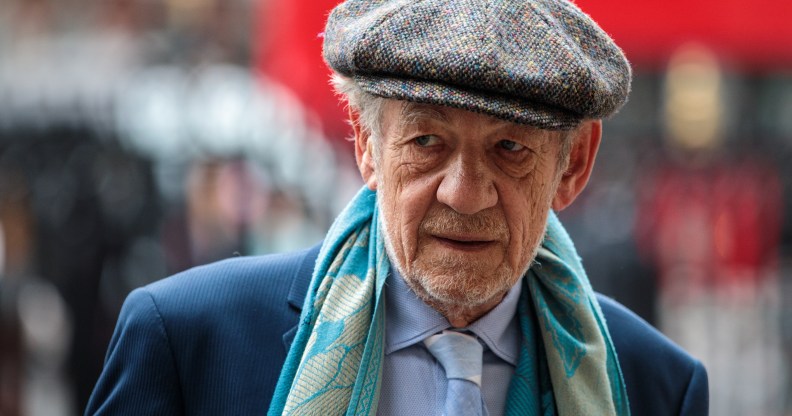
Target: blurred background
[(141, 137)]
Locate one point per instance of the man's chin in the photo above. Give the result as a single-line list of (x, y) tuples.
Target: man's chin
[(457, 300), (462, 287)]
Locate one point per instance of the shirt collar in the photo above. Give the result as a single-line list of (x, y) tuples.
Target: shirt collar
[(500, 329), (409, 320)]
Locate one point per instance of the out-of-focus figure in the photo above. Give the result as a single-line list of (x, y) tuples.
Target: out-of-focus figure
[(13, 225), (709, 221), (35, 325)]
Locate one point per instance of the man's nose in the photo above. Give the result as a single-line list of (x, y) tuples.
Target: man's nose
[(467, 186)]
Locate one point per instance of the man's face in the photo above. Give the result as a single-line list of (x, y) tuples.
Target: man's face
[(464, 198)]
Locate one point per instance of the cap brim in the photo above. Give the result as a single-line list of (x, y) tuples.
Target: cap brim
[(500, 106)]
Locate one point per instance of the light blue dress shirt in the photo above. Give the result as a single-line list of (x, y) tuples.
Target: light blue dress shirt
[(413, 382)]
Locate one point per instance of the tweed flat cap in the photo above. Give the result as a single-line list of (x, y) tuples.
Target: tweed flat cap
[(539, 62)]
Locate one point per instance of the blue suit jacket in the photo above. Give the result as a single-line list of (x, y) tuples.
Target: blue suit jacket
[(212, 340)]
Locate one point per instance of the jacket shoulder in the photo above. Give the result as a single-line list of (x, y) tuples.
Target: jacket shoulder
[(209, 340), (661, 378), (241, 282)]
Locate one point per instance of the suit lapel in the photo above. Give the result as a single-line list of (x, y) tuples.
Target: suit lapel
[(299, 288)]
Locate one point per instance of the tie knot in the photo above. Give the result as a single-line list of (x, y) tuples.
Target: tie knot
[(459, 354)]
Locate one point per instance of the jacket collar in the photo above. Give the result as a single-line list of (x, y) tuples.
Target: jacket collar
[(302, 278), (299, 288)]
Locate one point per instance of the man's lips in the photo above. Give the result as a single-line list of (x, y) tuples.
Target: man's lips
[(465, 243)]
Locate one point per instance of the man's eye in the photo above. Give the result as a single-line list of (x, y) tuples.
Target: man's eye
[(510, 145), (426, 140)]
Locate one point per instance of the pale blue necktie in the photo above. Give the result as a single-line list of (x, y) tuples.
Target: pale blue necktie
[(460, 355)]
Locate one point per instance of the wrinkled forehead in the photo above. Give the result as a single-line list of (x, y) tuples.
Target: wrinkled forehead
[(409, 113)]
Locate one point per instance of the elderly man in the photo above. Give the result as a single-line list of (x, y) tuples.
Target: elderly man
[(447, 285)]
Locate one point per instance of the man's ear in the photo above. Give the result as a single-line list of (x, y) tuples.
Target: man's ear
[(363, 151), (586, 141)]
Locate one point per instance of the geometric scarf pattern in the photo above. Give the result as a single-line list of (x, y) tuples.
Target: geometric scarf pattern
[(567, 363)]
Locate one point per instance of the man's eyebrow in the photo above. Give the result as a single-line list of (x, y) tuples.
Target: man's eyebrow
[(413, 113)]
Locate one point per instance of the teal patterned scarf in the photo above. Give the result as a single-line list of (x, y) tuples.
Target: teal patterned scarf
[(334, 366)]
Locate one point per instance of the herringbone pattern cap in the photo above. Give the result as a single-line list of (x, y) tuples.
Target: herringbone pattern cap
[(539, 62)]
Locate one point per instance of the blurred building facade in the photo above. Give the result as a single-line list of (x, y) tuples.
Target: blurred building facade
[(141, 137)]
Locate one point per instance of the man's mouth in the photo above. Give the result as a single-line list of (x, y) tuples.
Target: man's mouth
[(464, 243)]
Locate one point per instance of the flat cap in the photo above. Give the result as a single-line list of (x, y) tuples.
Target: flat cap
[(539, 62)]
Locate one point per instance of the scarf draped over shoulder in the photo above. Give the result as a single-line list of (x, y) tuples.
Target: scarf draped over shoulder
[(567, 363)]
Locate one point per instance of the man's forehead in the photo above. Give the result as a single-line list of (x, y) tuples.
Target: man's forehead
[(411, 113)]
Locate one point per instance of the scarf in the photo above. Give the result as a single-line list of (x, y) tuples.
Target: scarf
[(567, 363)]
